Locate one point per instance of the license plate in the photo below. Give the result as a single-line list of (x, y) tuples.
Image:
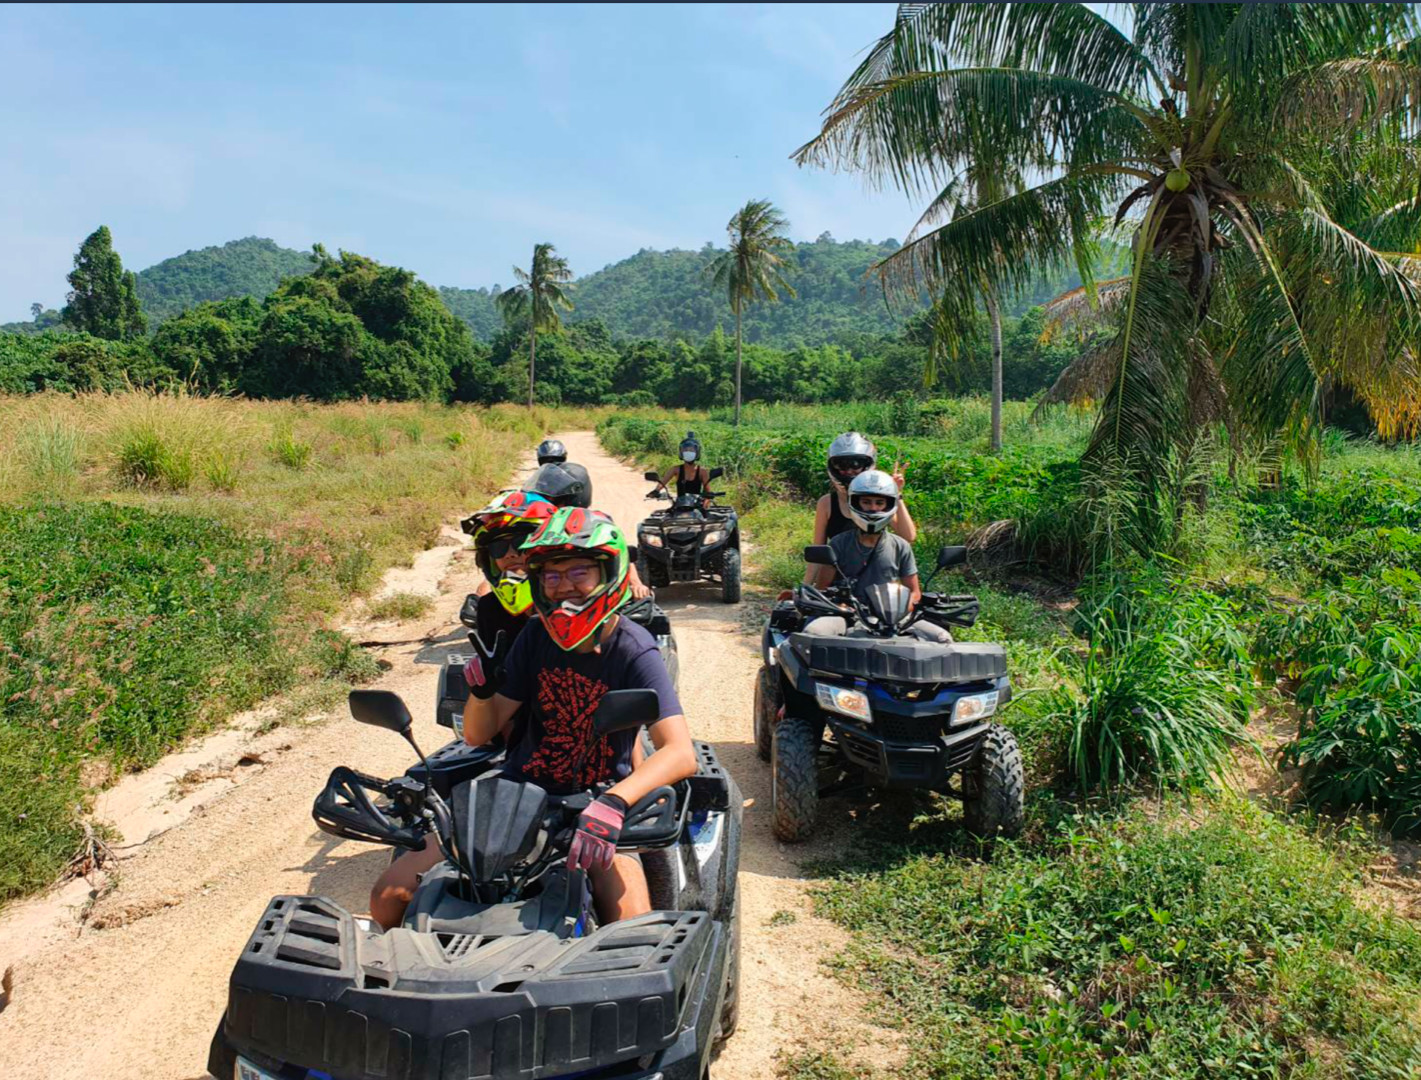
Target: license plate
[(247, 1071)]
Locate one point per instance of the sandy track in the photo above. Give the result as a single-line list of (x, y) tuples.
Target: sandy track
[(139, 996)]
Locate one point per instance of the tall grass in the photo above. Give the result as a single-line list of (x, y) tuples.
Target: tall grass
[(136, 606)]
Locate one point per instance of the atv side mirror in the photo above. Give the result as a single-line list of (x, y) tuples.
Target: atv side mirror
[(655, 478), (819, 555), (626, 710), (717, 473), (951, 555), (381, 708)]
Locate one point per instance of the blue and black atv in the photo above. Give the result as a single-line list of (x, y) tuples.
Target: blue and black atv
[(872, 703), (499, 970)]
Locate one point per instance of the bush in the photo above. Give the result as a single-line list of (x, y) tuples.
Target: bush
[(1164, 688), (1356, 657)]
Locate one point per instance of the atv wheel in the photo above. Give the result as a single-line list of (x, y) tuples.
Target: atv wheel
[(654, 574), (767, 709), (730, 576), (993, 786), (794, 777), (730, 1007)]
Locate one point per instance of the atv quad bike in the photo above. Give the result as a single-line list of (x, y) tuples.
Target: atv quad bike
[(499, 970), (878, 706), (691, 540)]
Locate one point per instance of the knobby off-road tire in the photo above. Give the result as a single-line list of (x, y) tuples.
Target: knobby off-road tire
[(730, 576), (794, 778), (730, 1007), (994, 786), (767, 709), (654, 574)]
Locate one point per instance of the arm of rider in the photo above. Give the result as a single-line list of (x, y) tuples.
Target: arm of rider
[(823, 576), (912, 585), (638, 587), (903, 523), (821, 527), (668, 474), (673, 760), (485, 718)]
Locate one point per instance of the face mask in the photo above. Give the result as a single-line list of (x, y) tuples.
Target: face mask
[(688, 455)]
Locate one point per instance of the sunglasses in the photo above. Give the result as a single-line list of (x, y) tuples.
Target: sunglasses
[(500, 547), (579, 577)]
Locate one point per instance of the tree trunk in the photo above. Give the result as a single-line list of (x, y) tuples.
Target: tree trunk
[(532, 359), (994, 310), (737, 364)]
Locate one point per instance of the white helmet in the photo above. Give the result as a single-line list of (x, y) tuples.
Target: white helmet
[(877, 483), (850, 448)]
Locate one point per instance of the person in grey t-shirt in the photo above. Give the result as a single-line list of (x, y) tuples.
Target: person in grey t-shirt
[(871, 555)]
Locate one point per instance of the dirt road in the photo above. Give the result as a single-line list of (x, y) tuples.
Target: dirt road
[(137, 989)]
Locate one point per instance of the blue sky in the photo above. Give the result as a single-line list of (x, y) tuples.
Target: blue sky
[(445, 139)]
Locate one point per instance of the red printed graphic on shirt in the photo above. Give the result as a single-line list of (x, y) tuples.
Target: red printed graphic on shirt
[(566, 701)]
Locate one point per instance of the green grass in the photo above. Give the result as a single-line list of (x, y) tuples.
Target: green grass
[(1210, 941), (401, 606), (166, 560)]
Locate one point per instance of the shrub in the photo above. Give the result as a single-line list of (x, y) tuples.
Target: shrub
[(51, 449), (1164, 688), (222, 469), (401, 606), (288, 450)]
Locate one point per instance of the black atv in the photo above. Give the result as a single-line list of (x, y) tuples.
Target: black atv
[(881, 707), (690, 540), (499, 970)]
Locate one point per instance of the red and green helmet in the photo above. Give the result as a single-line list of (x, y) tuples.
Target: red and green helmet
[(511, 516), (574, 532)]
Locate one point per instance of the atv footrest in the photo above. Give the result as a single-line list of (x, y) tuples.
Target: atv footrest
[(316, 989)]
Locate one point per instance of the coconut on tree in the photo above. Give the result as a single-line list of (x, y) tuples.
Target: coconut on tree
[(539, 295), (1261, 160), (753, 267)]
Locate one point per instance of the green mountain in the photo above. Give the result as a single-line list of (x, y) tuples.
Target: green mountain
[(668, 294), (249, 267)]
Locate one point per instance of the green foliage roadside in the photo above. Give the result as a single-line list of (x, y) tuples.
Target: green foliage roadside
[(162, 566), (1215, 941)]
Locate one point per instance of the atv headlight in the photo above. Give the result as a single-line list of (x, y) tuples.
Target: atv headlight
[(715, 536), (847, 702), (651, 539), (974, 707)]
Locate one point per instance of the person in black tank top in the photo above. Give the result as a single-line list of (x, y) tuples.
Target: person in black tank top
[(697, 479)]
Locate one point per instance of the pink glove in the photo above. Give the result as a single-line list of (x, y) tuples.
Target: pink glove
[(479, 684), (598, 829)]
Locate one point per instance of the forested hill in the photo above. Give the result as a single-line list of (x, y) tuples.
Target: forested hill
[(668, 294), (659, 295), (249, 267)]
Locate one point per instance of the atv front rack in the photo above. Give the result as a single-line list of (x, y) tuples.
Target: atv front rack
[(317, 989)]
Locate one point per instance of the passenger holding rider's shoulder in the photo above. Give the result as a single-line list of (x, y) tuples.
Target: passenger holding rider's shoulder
[(849, 456)]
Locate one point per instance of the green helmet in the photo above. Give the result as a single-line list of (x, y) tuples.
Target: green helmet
[(574, 532)]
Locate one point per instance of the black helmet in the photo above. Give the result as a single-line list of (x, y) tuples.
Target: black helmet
[(562, 485), (850, 450), (550, 450), (692, 446)]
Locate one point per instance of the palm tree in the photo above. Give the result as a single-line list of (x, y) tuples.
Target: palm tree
[(752, 268), (541, 291), (1261, 159)]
